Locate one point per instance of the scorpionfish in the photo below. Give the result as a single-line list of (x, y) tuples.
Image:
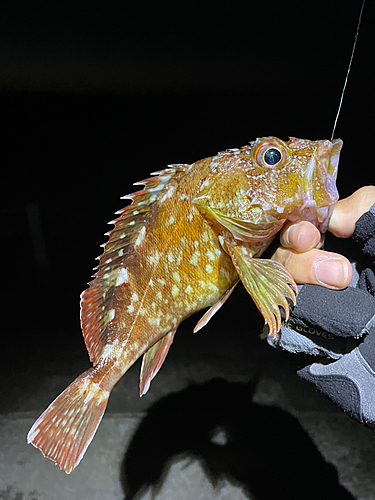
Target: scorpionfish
[(188, 237)]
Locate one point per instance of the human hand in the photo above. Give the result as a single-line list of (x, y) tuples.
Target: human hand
[(300, 242), (313, 328)]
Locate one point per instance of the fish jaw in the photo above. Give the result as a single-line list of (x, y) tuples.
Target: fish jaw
[(319, 186)]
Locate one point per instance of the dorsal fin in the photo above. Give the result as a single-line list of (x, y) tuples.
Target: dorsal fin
[(96, 300)]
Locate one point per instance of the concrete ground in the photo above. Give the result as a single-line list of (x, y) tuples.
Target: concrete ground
[(226, 418)]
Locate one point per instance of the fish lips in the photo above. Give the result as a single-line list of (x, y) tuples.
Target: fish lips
[(330, 160), (318, 206)]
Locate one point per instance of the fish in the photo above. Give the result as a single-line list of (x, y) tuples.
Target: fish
[(189, 236)]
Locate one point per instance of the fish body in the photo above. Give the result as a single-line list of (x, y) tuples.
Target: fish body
[(183, 244)]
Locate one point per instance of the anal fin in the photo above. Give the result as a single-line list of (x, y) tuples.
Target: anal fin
[(268, 283), (153, 360), (212, 310)]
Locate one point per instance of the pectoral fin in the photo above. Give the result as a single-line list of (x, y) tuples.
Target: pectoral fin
[(153, 360), (268, 282), (242, 229)]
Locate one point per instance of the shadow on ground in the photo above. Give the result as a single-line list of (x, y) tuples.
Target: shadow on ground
[(263, 450)]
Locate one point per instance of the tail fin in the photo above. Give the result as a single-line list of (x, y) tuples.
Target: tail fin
[(66, 428)]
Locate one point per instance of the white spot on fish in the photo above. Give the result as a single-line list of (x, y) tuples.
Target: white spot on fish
[(159, 295), (179, 257), (161, 281), (190, 217), (170, 191), (209, 268), (170, 256), (194, 259), (212, 286), (205, 236), (168, 194), (170, 221), (140, 237), (106, 350), (130, 308), (121, 252), (122, 277), (175, 290), (176, 277), (189, 289), (134, 297), (210, 255), (154, 259)]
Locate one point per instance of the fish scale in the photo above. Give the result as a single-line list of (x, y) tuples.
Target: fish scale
[(188, 237)]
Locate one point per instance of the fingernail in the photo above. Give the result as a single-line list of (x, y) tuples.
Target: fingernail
[(286, 236), (289, 232), (331, 272)]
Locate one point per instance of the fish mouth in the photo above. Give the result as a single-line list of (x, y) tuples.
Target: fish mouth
[(332, 167), (329, 159), (320, 191)]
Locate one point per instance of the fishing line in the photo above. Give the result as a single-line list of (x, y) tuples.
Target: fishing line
[(350, 64)]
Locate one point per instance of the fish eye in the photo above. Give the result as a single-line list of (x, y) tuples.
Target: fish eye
[(272, 157)]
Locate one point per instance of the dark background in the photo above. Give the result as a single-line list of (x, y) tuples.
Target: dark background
[(95, 95)]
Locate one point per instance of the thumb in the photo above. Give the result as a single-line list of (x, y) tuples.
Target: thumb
[(349, 210)]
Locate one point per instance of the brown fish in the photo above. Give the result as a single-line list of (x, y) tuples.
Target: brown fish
[(183, 244)]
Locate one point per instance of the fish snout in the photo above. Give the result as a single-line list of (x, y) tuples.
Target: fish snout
[(327, 161)]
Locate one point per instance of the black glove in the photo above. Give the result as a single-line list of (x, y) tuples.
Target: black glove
[(340, 324)]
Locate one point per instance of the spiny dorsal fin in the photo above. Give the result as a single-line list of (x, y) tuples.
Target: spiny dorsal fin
[(111, 271)]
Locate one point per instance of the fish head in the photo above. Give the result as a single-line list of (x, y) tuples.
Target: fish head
[(299, 178), (254, 190)]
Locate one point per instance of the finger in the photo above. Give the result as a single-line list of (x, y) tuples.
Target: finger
[(349, 210), (300, 236), (316, 267)]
